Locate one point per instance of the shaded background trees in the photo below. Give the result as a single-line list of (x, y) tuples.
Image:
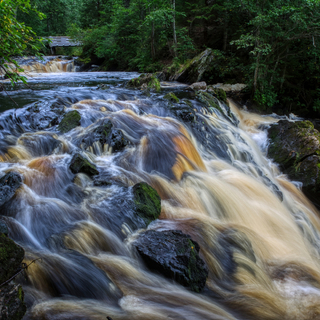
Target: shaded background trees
[(271, 45)]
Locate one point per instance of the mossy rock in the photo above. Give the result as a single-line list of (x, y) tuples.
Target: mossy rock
[(147, 202), (9, 184), (175, 255), (171, 97), (154, 84), (102, 131), (295, 146), (11, 256), (81, 164), (220, 94), (3, 228), (70, 121), (145, 81), (209, 100), (12, 306), (193, 70)]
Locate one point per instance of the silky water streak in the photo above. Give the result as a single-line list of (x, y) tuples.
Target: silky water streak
[(258, 234)]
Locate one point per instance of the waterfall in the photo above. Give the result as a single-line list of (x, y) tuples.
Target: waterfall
[(258, 234)]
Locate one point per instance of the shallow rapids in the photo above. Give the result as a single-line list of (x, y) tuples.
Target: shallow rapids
[(258, 234)]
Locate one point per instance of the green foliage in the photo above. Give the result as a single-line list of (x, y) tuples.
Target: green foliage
[(272, 46), (15, 37)]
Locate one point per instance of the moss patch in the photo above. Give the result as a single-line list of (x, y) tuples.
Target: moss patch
[(80, 164), (148, 80), (171, 97), (70, 121), (11, 256), (147, 202), (209, 100)]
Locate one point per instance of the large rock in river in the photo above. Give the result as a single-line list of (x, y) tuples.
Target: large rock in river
[(12, 305), (79, 163), (104, 132), (70, 121), (146, 81), (296, 147), (175, 255), (9, 184), (147, 202), (193, 70)]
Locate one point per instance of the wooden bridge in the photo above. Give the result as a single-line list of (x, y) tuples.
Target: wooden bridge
[(62, 42)]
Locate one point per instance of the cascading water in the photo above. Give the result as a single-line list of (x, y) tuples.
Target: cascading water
[(258, 234), (48, 64)]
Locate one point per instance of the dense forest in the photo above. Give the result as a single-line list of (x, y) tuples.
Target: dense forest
[(272, 46)]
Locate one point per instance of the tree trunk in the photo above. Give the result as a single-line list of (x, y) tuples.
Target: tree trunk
[(174, 28), (225, 34), (153, 51)]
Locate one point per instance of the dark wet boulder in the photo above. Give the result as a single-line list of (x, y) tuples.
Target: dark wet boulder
[(147, 202), (146, 81), (11, 256), (218, 93), (209, 100), (193, 70), (104, 132), (3, 228), (295, 146), (9, 184), (183, 111), (12, 306), (79, 163), (175, 255), (70, 121)]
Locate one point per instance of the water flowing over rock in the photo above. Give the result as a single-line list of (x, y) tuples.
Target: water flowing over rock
[(147, 163), (193, 70), (175, 255), (9, 184), (104, 132), (296, 147)]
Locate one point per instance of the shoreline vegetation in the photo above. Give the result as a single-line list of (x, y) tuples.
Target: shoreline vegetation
[(272, 47)]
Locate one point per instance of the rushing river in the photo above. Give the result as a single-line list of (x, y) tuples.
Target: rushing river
[(213, 178)]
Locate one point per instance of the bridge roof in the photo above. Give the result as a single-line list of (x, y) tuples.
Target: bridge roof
[(63, 42)]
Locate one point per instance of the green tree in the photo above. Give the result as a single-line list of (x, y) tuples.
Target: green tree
[(15, 37)]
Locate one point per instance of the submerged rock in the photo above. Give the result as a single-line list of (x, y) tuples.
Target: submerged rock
[(146, 81), (175, 255), (296, 147), (9, 184), (81, 164), (213, 101), (40, 144), (103, 132), (193, 70), (147, 202), (70, 121)]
